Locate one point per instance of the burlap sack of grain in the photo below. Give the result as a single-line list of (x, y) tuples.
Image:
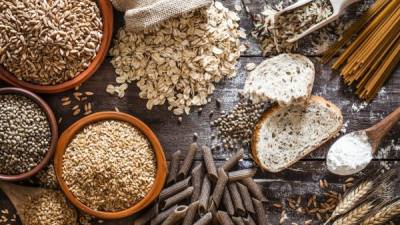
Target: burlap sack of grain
[(141, 14)]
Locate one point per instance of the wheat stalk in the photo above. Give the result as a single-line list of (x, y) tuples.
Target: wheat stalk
[(355, 215), (351, 199), (384, 214)]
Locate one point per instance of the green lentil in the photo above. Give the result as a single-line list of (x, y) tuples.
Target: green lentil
[(24, 134)]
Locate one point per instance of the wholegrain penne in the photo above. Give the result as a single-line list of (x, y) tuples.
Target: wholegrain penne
[(162, 216), (204, 195), (204, 220), (177, 215), (223, 218), (146, 216), (249, 220), (254, 189), (241, 174), (246, 197), (237, 199), (227, 202), (238, 220), (185, 194), (187, 162), (191, 213), (175, 188), (174, 167), (260, 212), (233, 160), (219, 188), (210, 164), (197, 179)]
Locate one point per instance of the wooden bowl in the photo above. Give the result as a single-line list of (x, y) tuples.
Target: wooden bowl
[(53, 128), (161, 173), (106, 10)]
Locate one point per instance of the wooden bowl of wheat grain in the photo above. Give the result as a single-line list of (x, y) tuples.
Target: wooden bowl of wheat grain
[(106, 11)]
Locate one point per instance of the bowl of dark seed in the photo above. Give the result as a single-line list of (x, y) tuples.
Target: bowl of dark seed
[(53, 46), (110, 165), (28, 134)]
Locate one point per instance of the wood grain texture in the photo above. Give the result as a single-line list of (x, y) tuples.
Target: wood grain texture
[(299, 180)]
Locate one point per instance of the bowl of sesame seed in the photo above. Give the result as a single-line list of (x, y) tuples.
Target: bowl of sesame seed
[(55, 52), (28, 134), (110, 165)]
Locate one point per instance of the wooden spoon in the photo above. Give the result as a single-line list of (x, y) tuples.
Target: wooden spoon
[(374, 135), (20, 196), (377, 132)]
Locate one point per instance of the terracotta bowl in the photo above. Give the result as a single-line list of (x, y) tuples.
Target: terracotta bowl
[(161, 173), (53, 127), (107, 16)]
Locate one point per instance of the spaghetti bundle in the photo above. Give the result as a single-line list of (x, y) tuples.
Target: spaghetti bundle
[(373, 55)]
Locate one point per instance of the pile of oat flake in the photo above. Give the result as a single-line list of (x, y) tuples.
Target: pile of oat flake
[(180, 60)]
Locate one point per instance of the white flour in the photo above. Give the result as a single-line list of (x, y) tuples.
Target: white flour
[(350, 154), (358, 107)]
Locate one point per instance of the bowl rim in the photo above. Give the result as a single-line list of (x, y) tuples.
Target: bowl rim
[(53, 128), (106, 11), (161, 162)]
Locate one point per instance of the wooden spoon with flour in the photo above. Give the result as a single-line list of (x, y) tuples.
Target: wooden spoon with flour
[(354, 151)]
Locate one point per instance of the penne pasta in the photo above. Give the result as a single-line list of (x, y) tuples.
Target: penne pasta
[(260, 212), (219, 188), (177, 215), (210, 164), (204, 195), (185, 194), (223, 218), (162, 216), (191, 213), (254, 189), (238, 220), (227, 202), (246, 197), (237, 199), (175, 188), (197, 179), (233, 160), (174, 167), (204, 220), (241, 174), (187, 162)]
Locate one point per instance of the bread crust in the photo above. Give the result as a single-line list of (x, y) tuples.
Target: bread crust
[(265, 117)]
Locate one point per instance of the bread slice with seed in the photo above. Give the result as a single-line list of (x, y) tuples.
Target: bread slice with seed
[(284, 135), (286, 79)]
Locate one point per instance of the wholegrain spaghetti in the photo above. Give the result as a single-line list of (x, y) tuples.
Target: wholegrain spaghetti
[(374, 54)]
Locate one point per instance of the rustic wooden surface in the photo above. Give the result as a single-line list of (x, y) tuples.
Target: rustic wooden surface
[(301, 179)]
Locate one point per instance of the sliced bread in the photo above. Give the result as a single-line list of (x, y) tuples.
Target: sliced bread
[(284, 135), (286, 79)]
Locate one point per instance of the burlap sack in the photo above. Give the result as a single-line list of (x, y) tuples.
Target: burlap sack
[(141, 14)]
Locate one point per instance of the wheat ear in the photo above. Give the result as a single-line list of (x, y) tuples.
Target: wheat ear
[(351, 199), (354, 216), (383, 215)]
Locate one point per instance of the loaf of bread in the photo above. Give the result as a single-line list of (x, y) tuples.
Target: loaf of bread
[(286, 79), (284, 135)]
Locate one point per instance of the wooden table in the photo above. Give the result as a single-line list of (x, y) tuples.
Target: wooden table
[(302, 179)]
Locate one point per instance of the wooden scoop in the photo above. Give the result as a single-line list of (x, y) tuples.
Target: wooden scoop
[(377, 132), (20, 196)]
